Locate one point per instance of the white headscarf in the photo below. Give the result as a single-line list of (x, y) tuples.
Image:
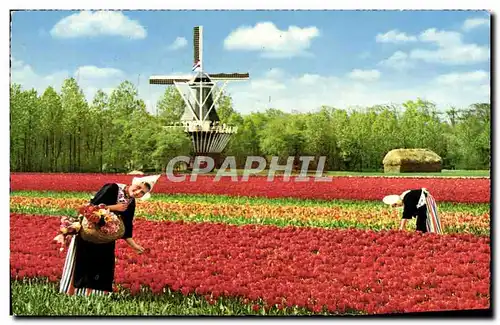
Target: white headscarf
[(391, 199), (151, 180)]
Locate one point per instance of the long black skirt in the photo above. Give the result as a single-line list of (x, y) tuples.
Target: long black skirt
[(89, 267), (422, 219)]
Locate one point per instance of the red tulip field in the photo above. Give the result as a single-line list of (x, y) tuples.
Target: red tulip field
[(261, 248)]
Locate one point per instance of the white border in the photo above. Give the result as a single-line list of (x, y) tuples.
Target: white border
[(185, 4)]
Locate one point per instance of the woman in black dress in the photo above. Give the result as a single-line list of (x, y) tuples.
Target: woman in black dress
[(89, 268), (415, 203)]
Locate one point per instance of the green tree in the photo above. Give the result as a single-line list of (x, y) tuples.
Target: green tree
[(225, 107), (320, 138), (75, 112), (24, 128), (17, 120), (123, 102), (52, 128), (170, 143), (61, 132), (101, 121), (170, 106)]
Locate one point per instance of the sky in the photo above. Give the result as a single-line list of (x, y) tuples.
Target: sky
[(297, 60)]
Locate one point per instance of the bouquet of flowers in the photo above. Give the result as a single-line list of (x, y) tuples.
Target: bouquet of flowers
[(95, 224), (69, 226)]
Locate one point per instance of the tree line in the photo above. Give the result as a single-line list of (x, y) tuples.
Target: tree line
[(59, 131)]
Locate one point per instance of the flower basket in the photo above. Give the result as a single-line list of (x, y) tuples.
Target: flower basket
[(95, 224), (99, 225)]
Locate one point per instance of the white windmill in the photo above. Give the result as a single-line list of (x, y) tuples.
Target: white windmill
[(200, 91)]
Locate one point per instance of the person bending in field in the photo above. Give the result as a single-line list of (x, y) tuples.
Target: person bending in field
[(417, 203), (89, 267)]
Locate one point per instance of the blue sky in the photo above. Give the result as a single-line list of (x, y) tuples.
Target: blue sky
[(301, 59)]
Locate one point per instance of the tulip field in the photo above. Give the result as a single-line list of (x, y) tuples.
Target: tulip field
[(261, 248)]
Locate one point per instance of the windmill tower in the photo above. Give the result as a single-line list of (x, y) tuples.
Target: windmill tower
[(200, 91)]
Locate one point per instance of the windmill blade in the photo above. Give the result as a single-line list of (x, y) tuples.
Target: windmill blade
[(197, 45), (168, 80), (229, 76)]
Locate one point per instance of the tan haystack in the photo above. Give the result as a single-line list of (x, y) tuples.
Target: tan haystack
[(136, 172), (411, 160)]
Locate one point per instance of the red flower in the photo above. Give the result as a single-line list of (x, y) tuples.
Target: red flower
[(185, 291), (468, 190), (281, 265)]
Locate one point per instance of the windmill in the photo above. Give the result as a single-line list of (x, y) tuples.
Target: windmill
[(200, 92)]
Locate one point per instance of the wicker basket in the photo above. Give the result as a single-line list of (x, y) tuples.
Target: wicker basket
[(95, 236)]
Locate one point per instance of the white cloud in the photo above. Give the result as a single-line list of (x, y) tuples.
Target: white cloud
[(278, 89), (271, 80), (472, 23), (308, 92), (23, 74), (477, 82), (18, 64), (364, 75), (398, 61), (93, 72), (310, 79), (479, 76), (465, 54), (92, 78), (451, 50), (441, 37), (274, 73), (179, 43), (395, 36), (89, 78), (271, 41), (266, 84), (87, 23)]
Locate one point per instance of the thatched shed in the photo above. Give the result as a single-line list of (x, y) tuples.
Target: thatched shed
[(411, 160)]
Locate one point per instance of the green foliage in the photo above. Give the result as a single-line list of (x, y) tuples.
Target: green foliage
[(225, 108), (63, 133), (58, 132), (170, 106), (358, 140), (170, 143), (25, 129)]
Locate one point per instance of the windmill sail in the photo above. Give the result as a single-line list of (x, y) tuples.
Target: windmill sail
[(229, 76), (197, 48), (168, 80)]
